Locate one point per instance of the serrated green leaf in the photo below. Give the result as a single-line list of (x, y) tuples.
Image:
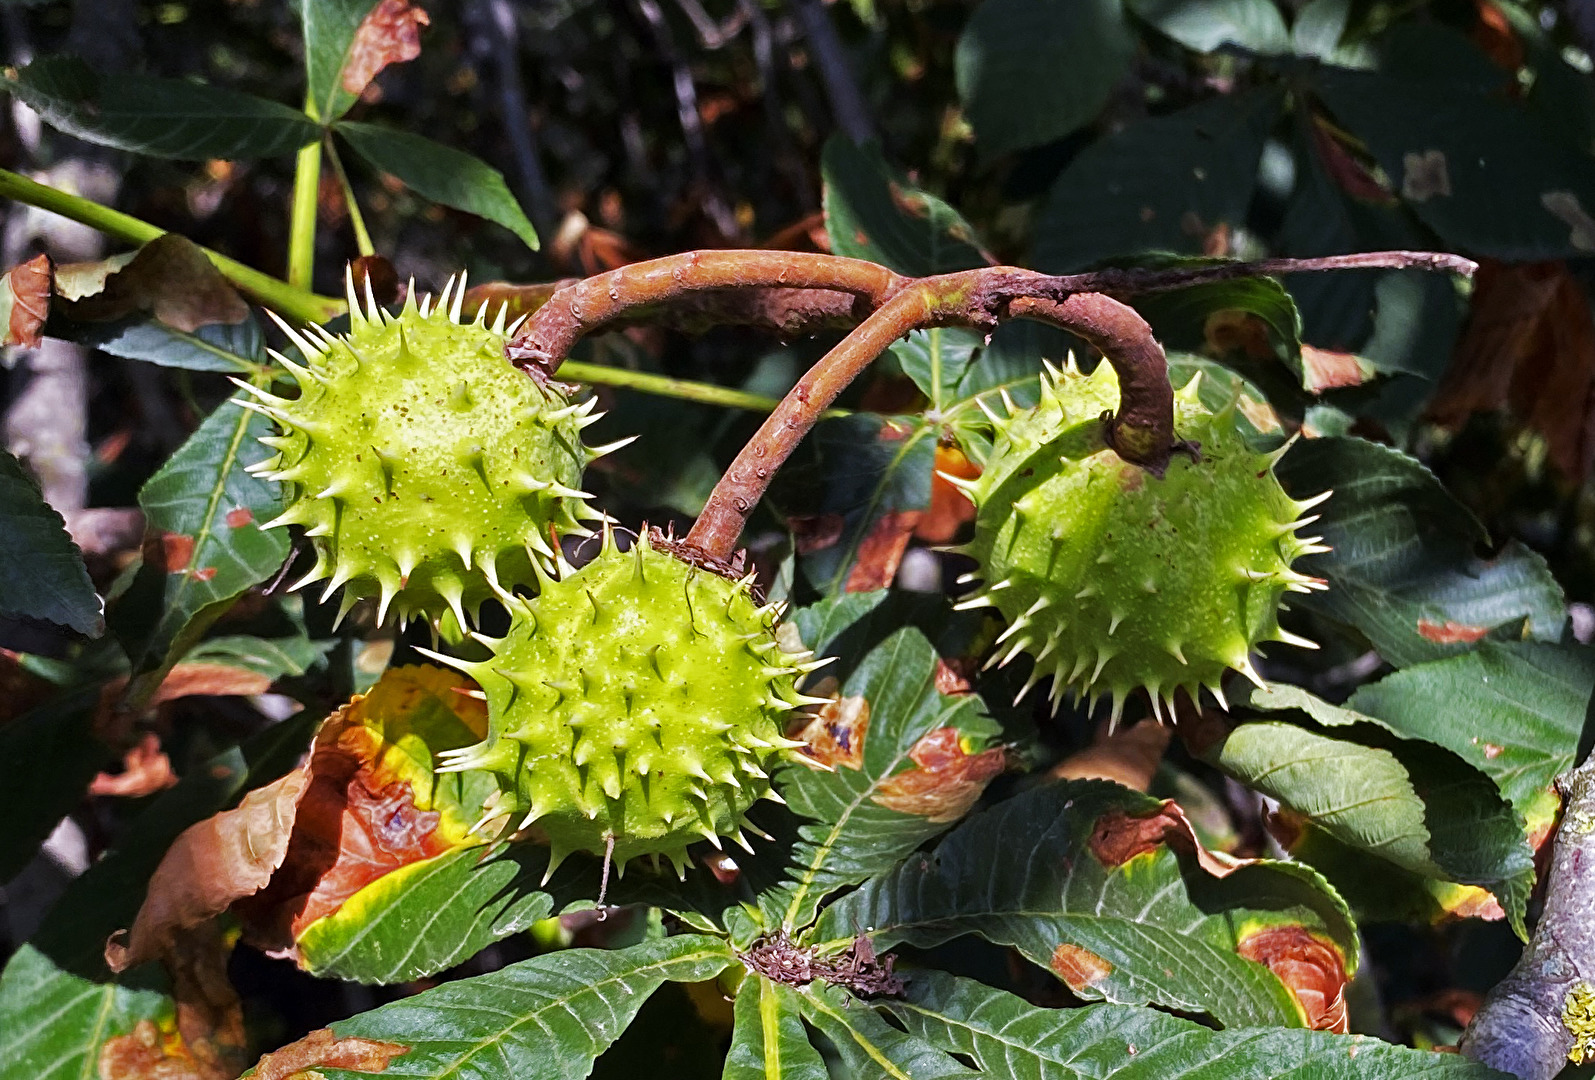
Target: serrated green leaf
[(1007, 1036), (169, 118), (857, 470), (1209, 24), (1403, 569), (1181, 316), (55, 1023), (820, 624), (430, 915), (851, 833), (440, 173), (202, 514), (872, 214), (42, 575), (1408, 802), (868, 1046), (1478, 168), (329, 27), (1030, 71), (768, 1041), (547, 1017), (1512, 710), (275, 658), (235, 349), (1160, 184), (1034, 872)]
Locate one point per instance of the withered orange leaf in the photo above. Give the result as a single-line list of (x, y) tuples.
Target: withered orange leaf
[(881, 550), (324, 1050), (949, 507), (209, 866), (145, 770), (1129, 756), (1119, 837), (389, 34), (25, 301), (946, 779), (1312, 969)]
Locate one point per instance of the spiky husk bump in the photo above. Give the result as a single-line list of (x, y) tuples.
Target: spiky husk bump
[(638, 701), (1114, 579), (428, 471)]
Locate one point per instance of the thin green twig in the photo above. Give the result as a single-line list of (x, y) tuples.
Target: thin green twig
[(681, 389), (362, 238), (302, 224)]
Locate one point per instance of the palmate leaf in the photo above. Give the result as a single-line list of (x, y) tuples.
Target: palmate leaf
[(1407, 801), (42, 575), (1403, 568), (1083, 878), (852, 831), (548, 1017), (769, 1041), (204, 544), (440, 173), (169, 118), (1006, 1036)]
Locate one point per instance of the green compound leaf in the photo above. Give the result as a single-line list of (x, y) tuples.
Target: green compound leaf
[(864, 815), (1007, 1036), (168, 118), (440, 173), (1408, 802), (42, 575), (1103, 886), (769, 1041), (1525, 703), (1030, 71), (870, 213), (1404, 569), (1160, 184), (203, 541), (869, 1046), (548, 1017)]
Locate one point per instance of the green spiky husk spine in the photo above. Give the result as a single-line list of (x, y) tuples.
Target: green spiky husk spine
[(638, 702), (1114, 579), (428, 471)]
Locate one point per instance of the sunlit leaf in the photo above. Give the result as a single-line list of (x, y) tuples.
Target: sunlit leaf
[(870, 213), (769, 1042), (1209, 24)]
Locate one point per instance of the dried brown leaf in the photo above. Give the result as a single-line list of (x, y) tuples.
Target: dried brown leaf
[(881, 551), (211, 864), (1129, 756), (145, 770), (323, 1049), (836, 734), (389, 34), (170, 277), (949, 507), (1119, 837), (1312, 969), (25, 301), (946, 779)]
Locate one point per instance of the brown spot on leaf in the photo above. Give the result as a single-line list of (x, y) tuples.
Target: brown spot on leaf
[(949, 507), (1312, 969), (239, 516), (145, 770), (389, 34), (148, 1053), (953, 677), (170, 552), (1450, 633), (881, 551), (1493, 34), (25, 301), (1324, 369), (1491, 751), (1118, 836), (1231, 330), (1078, 967), (1424, 176), (946, 780), (322, 1049), (205, 573), (836, 734)]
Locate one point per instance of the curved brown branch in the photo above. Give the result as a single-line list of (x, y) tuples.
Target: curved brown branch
[(1532, 1019), (584, 306), (805, 287)]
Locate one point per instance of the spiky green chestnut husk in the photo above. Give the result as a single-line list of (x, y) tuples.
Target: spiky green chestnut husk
[(429, 472), (1114, 579), (638, 702)]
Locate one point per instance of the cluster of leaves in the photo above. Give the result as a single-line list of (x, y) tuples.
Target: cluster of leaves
[(1411, 761)]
